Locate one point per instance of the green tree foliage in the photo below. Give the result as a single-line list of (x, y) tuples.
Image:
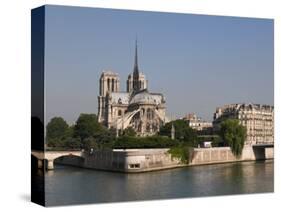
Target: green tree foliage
[(59, 135), (234, 135), (72, 143), (182, 132), (57, 128), (90, 143), (105, 138), (181, 152), (65, 144), (87, 133), (87, 126), (129, 132), (55, 143), (125, 142)]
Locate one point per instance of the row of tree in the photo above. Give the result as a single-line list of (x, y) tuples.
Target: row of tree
[(88, 133), (84, 133)]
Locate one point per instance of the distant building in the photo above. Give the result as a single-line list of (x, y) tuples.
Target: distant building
[(258, 120), (197, 123), (137, 108)]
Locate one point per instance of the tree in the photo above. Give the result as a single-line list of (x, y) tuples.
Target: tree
[(105, 138), (182, 131), (234, 135), (57, 128), (54, 143), (90, 143), (72, 143), (129, 132), (86, 126), (181, 152), (129, 142)]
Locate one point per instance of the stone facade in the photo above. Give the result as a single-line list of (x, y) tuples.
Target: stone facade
[(197, 123), (137, 108), (258, 120), (211, 155)]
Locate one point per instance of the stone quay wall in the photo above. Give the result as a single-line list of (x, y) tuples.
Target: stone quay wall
[(142, 160), (130, 160), (200, 156)]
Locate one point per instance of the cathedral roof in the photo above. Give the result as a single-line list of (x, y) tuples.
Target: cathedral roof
[(147, 98), (141, 75), (108, 73), (120, 97)]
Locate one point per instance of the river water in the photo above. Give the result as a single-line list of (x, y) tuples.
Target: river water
[(69, 185)]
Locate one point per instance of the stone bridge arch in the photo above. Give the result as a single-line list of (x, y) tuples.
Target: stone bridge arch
[(50, 156)]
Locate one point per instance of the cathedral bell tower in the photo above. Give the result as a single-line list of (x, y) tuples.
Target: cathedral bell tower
[(109, 83)]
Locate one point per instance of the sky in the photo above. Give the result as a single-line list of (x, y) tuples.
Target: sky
[(198, 62)]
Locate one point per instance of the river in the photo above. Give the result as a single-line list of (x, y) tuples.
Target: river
[(69, 185)]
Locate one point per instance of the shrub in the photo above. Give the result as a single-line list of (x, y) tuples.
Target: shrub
[(181, 152), (129, 142)]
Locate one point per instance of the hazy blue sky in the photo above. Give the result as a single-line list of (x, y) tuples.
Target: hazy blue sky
[(198, 62)]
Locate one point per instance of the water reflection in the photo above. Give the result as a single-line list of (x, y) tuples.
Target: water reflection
[(69, 185)]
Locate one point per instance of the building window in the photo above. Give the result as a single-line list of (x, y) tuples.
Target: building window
[(134, 166), (112, 85), (119, 112), (150, 114)]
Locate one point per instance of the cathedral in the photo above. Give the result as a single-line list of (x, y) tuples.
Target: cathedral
[(137, 107)]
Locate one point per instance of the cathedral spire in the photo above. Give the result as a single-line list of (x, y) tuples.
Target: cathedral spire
[(136, 75), (136, 68)]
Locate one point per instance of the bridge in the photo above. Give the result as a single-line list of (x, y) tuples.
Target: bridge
[(263, 144), (263, 150), (50, 156)]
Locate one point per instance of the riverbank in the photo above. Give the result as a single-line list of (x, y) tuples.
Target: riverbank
[(145, 160)]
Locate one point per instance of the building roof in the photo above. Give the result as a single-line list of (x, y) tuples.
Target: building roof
[(108, 73), (148, 98), (120, 97), (141, 75), (244, 106)]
